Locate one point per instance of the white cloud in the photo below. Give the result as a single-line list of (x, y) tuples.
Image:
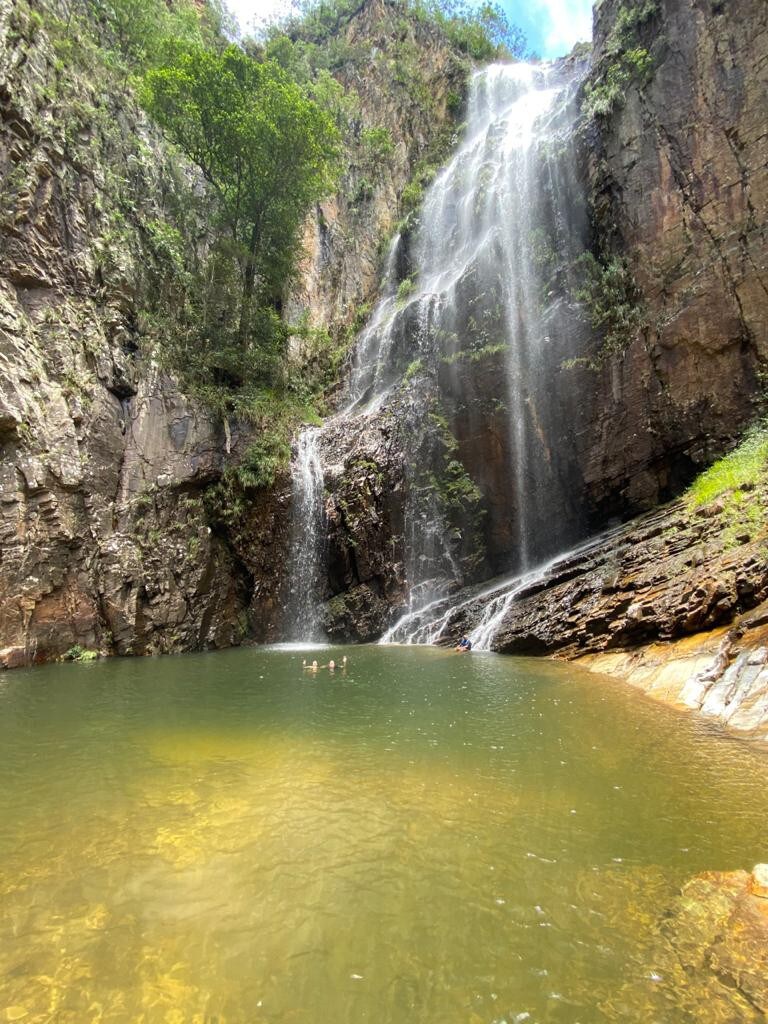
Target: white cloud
[(565, 22)]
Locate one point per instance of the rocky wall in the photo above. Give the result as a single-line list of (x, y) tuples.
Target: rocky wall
[(104, 540), (109, 539), (677, 177)]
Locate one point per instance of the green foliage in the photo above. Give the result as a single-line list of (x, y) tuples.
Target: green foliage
[(412, 370), (377, 143), (135, 34), (276, 417), (454, 102), (630, 17), (608, 92), (744, 466), (266, 149), (23, 22), (78, 653), (404, 290), (483, 32), (476, 355), (423, 175), (460, 495), (269, 152), (625, 61), (612, 304)]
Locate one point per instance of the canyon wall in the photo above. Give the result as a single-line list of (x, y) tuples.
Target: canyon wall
[(677, 178), (106, 540), (672, 157)]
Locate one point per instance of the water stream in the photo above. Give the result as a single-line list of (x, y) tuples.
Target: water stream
[(496, 228), (307, 540)]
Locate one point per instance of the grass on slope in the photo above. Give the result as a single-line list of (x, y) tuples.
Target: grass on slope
[(743, 466)]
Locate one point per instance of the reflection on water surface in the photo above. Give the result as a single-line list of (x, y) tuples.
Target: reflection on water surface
[(426, 838)]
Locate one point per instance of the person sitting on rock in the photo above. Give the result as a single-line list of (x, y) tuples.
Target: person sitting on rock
[(464, 645)]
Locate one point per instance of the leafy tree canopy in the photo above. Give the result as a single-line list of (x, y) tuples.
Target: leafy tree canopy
[(267, 150)]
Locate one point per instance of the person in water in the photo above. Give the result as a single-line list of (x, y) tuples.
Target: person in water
[(464, 645), (314, 667)]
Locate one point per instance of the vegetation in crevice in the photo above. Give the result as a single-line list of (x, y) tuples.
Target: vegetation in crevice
[(611, 304), (80, 654), (624, 60)]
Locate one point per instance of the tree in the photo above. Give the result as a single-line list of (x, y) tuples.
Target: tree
[(268, 151)]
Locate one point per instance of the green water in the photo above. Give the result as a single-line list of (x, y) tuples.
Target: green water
[(427, 838)]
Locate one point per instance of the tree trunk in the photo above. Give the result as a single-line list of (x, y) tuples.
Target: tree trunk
[(249, 280)]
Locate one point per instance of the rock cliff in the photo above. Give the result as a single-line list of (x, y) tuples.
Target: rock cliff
[(673, 160), (104, 540), (108, 541), (677, 177)]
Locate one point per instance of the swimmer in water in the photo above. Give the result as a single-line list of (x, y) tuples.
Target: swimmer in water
[(332, 665)]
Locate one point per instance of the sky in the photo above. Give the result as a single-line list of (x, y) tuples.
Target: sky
[(551, 26)]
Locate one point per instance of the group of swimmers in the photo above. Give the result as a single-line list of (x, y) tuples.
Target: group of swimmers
[(331, 666), (464, 646)]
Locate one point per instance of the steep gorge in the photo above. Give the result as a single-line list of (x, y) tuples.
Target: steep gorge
[(107, 539)]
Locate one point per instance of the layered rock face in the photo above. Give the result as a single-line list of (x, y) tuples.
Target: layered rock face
[(678, 182), (105, 543), (676, 602)]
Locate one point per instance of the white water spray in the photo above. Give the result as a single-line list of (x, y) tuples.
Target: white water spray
[(493, 224), (307, 540)]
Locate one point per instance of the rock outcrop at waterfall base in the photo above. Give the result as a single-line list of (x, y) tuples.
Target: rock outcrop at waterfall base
[(675, 602)]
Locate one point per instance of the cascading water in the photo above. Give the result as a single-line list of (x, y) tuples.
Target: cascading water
[(469, 349), (307, 540), (494, 223)]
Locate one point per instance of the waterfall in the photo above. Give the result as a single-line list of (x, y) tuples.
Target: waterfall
[(468, 351), (306, 561), (498, 224)]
